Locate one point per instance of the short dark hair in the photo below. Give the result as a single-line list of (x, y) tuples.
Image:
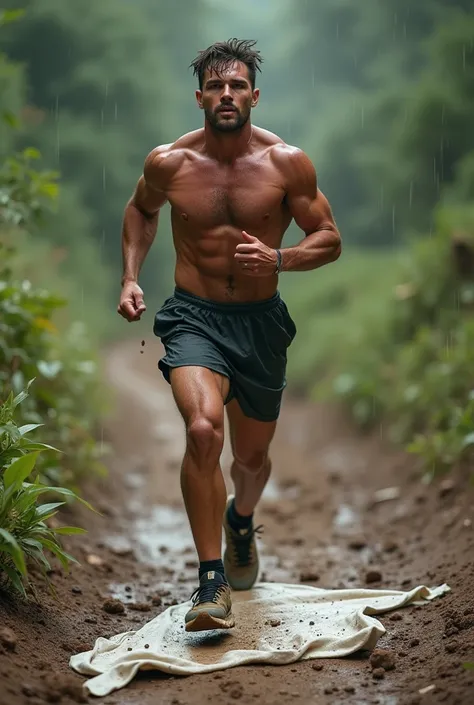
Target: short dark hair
[(221, 55)]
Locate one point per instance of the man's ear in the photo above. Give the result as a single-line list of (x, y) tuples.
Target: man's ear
[(255, 97), (199, 99)]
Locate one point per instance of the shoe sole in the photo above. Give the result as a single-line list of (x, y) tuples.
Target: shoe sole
[(205, 621)]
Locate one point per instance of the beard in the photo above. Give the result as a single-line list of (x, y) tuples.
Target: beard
[(227, 124)]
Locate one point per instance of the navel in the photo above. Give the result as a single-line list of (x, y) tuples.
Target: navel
[(184, 216), (266, 216)]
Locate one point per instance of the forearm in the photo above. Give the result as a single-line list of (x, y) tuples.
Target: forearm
[(138, 233), (315, 250)]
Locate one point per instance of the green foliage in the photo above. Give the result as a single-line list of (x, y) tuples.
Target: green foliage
[(389, 90), (24, 191), (67, 395), (25, 534), (417, 371), (100, 84), (333, 309)]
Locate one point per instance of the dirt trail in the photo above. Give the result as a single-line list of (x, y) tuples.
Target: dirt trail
[(322, 525)]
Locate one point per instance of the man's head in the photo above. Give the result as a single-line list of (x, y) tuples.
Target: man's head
[(226, 73)]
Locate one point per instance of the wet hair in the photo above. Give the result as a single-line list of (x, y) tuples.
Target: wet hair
[(221, 55)]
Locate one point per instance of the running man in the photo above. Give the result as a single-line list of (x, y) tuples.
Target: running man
[(233, 188)]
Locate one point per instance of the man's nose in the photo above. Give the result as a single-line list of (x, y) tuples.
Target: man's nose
[(226, 93)]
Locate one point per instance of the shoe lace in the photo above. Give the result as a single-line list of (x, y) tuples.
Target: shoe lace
[(242, 545), (208, 592)]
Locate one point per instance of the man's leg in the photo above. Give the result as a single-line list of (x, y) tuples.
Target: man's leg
[(251, 467), (250, 440), (199, 394)]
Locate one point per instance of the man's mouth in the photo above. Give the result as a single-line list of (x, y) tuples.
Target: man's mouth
[(227, 110)]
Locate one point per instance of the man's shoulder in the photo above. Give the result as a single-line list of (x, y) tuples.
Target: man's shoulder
[(166, 159), (292, 161)]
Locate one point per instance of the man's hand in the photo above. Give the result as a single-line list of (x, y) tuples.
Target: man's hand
[(131, 304), (255, 258)]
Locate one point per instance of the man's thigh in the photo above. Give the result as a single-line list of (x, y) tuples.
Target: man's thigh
[(250, 439), (199, 392)]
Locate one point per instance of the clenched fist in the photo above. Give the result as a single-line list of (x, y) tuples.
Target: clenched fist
[(255, 258), (131, 304)]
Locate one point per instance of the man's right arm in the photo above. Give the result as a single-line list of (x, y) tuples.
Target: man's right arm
[(140, 223)]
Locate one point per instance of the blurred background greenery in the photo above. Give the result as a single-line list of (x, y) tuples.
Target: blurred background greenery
[(379, 94)]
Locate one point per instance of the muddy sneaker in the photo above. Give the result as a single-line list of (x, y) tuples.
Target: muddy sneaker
[(241, 556), (212, 605)]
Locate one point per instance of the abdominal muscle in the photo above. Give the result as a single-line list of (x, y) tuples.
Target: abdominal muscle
[(205, 266)]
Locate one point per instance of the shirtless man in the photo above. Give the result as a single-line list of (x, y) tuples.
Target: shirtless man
[(234, 189)]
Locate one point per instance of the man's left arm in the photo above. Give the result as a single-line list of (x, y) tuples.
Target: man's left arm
[(312, 213)]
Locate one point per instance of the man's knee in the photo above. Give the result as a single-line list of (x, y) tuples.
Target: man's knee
[(205, 436), (253, 461)]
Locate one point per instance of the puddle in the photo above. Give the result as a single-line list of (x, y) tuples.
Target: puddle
[(161, 534)]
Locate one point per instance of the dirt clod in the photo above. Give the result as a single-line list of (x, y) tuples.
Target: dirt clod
[(317, 666), (381, 658), (446, 487), (373, 576), (357, 543), (274, 622), (113, 607), (29, 690), (56, 685), (309, 576), (8, 639), (140, 606), (378, 673), (414, 642)]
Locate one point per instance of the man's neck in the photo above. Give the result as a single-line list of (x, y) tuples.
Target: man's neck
[(227, 146)]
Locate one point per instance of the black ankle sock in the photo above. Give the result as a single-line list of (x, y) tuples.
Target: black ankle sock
[(236, 520), (208, 566)]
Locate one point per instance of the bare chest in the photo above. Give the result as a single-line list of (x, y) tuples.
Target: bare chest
[(242, 196)]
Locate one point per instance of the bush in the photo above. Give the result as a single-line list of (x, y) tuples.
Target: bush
[(419, 373), (335, 308), (24, 532), (67, 397)]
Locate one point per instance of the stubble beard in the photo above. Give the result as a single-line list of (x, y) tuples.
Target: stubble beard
[(227, 125)]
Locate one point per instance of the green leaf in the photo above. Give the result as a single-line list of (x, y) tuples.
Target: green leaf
[(38, 489), (27, 428), (22, 395), (46, 510), (31, 153), (469, 666), (41, 446), (10, 119), (69, 530), (14, 550), (7, 16), (14, 578), (19, 470), (64, 558)]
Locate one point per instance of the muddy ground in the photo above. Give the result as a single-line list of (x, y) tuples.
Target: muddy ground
[(322, 524)]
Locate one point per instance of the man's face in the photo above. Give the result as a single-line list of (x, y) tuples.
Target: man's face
[(227, 98)]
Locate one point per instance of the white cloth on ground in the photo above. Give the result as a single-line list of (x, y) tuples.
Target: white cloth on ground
[(308, 623)]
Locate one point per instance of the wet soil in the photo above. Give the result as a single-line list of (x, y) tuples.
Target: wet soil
[(341, 510)]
